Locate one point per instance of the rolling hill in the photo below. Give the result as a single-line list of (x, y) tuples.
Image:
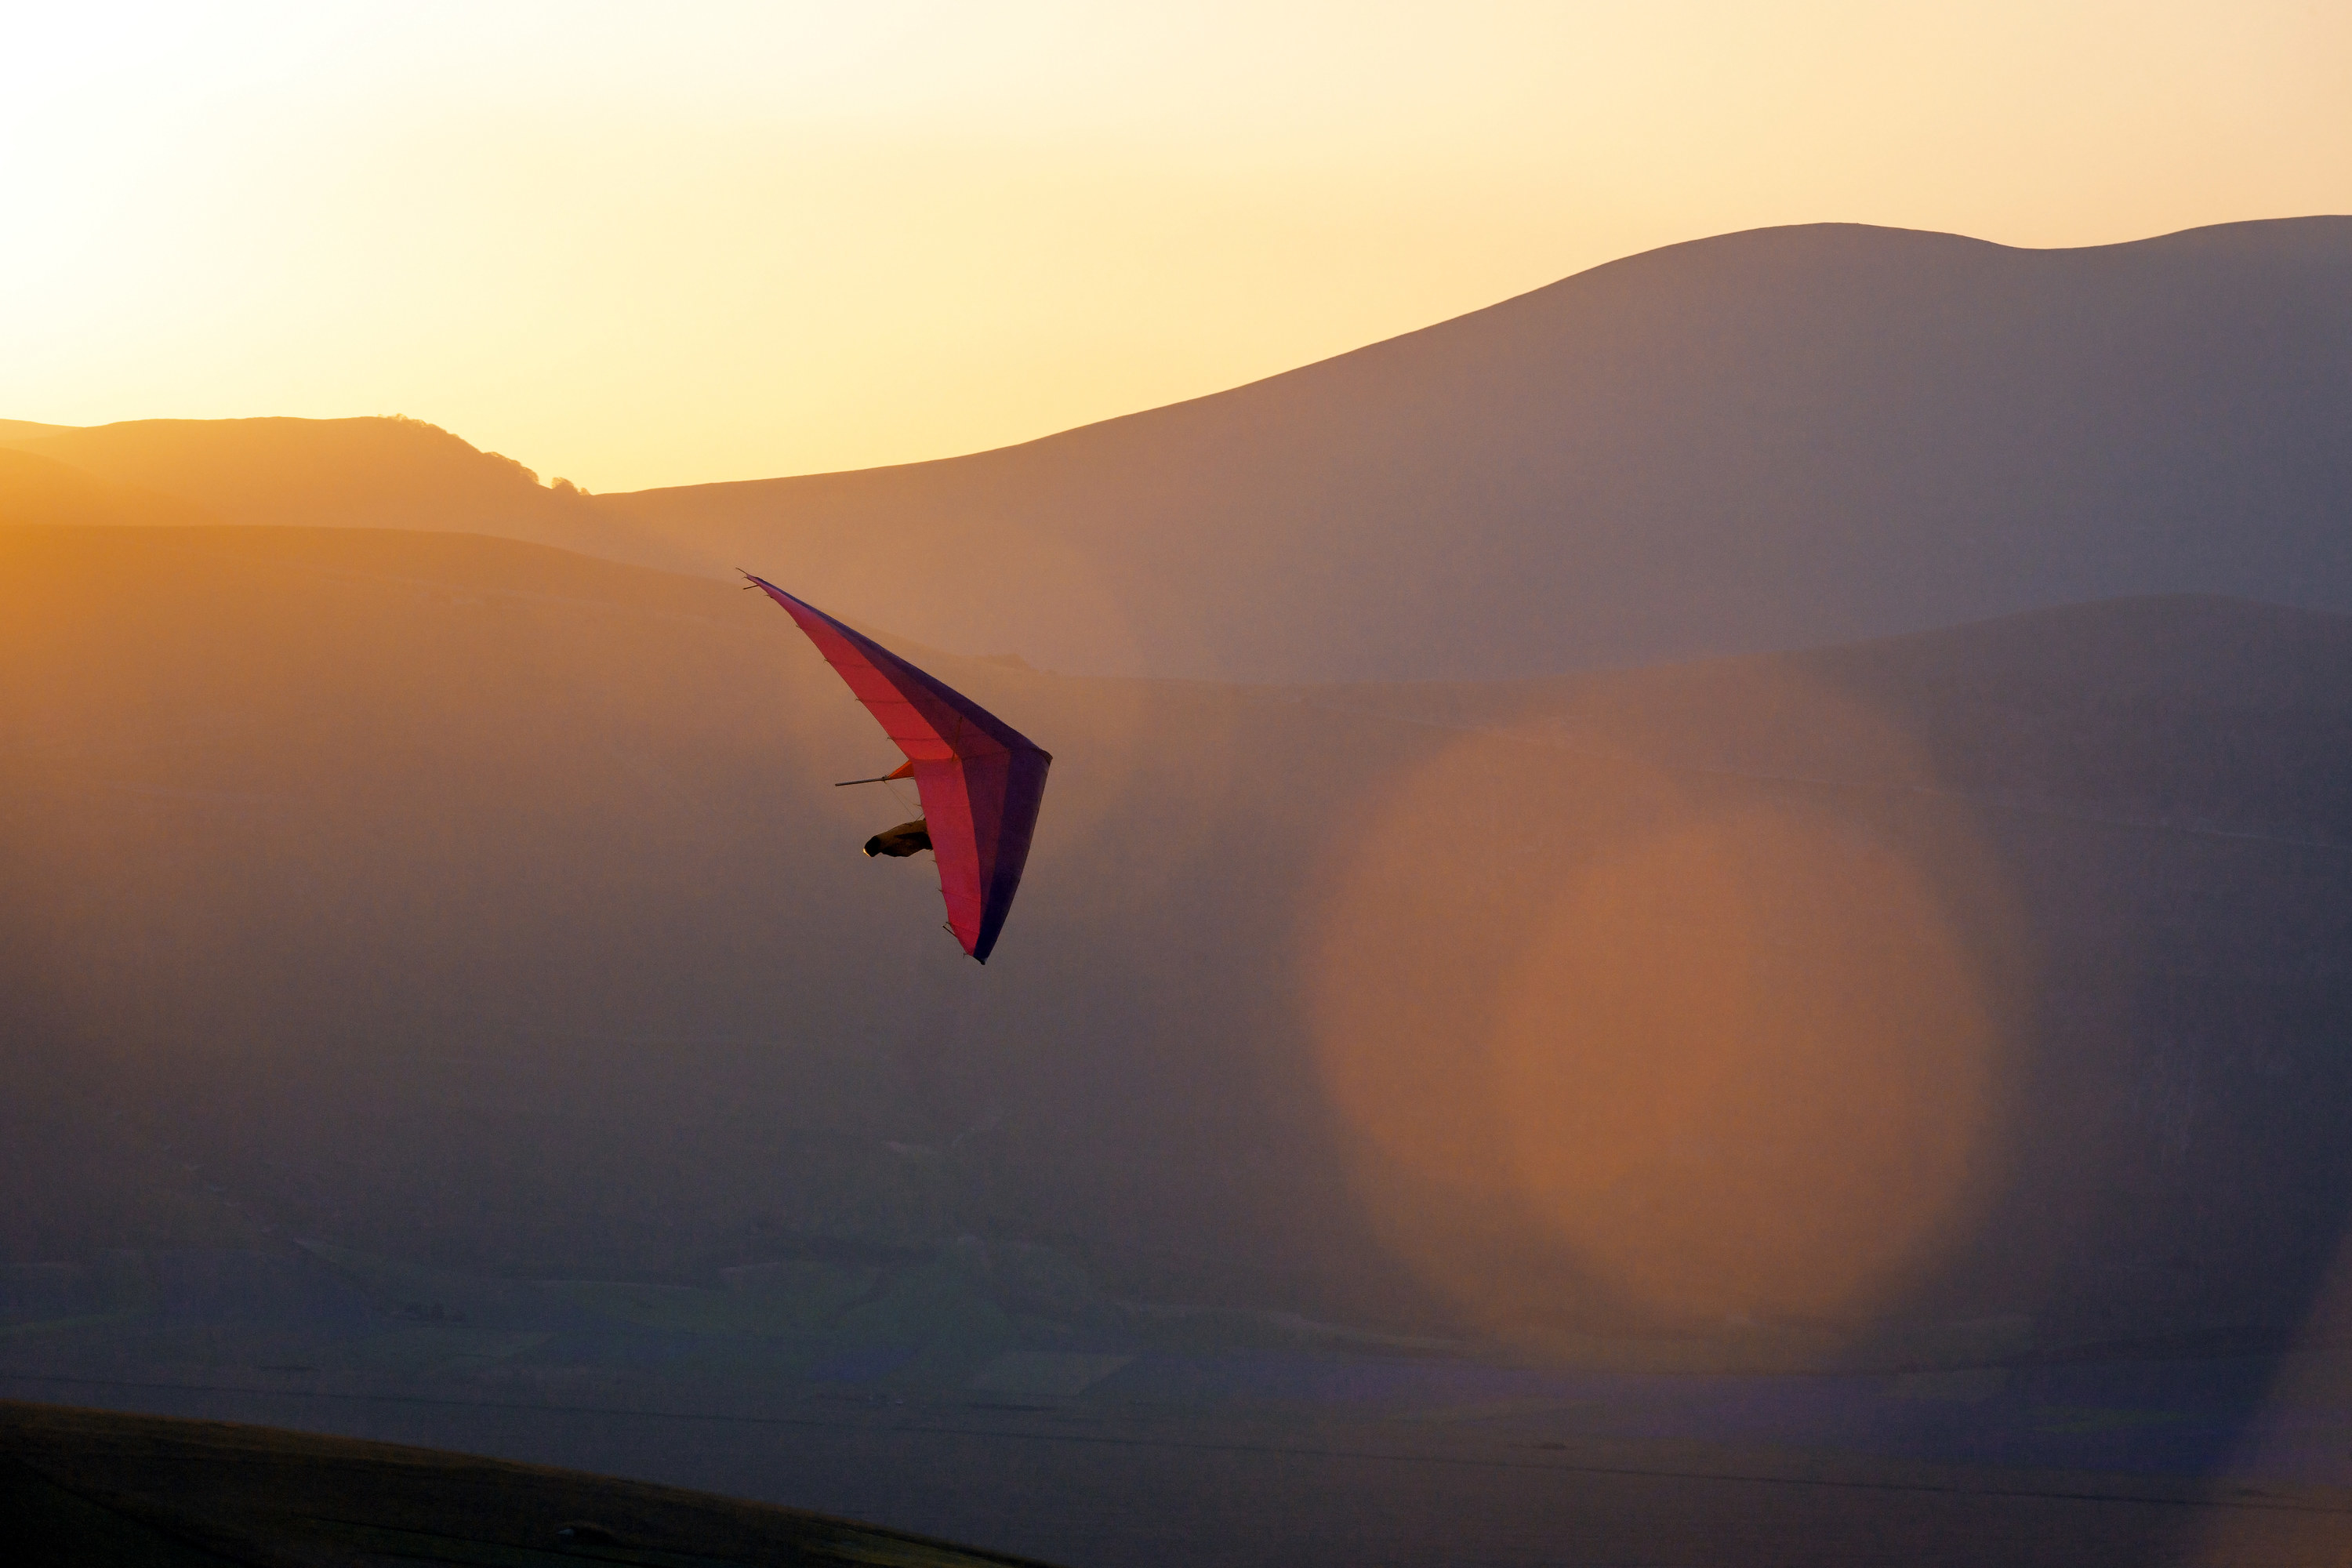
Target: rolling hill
[(1764, 440), (1760, 441), (37, 489), (336, 473), (484, 906)]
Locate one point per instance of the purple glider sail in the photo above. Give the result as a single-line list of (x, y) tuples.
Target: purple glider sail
[(980, 779)]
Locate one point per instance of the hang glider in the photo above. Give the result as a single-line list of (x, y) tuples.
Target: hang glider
[(980, 779)]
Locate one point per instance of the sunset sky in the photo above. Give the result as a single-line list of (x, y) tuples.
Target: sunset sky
[(639, 245)]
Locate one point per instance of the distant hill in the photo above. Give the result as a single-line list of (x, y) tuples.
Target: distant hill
[(336, 473), (1764, 440), (489, 907), (1760, 441), (35, 489), (2181, 709), (26, 429)]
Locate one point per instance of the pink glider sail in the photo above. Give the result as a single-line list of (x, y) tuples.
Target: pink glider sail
[(980, 780)]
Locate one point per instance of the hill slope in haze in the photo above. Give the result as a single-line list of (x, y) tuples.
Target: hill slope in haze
[(335, 473), (37, 489), (488, 907), (26, 429), (1764, 440), (2181, 710)]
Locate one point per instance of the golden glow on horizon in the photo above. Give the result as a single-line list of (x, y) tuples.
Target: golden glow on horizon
[(640, 246)]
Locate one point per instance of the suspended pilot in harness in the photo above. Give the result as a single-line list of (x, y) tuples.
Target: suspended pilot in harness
[(908, 837)]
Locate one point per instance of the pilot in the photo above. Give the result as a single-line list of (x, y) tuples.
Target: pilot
[(906, 838)]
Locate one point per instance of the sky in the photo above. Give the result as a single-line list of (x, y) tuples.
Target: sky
[(649, 245)]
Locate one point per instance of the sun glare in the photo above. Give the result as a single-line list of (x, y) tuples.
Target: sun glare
[(728, 241)]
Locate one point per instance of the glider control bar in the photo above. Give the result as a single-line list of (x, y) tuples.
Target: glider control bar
[(905, 770)]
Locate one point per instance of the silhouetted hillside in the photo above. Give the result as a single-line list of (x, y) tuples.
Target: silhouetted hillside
[(1760, 441), (1763, 440), (486, 906), (333, 473), (87, 1487)]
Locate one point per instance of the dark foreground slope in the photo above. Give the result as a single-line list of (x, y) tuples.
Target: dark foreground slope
[(452, 904), (85, 1487)]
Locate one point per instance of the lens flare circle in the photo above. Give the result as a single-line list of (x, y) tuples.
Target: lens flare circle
[(1618, 1042), (1743, 1069)]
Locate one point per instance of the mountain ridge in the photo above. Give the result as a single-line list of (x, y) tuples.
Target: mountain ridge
[(2179, 238), (1758, 441), (1752, 441)]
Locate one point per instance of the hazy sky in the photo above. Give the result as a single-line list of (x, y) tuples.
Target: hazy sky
[(641, 245)]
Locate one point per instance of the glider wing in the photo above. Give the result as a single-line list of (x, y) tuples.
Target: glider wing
[(980, 780)]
